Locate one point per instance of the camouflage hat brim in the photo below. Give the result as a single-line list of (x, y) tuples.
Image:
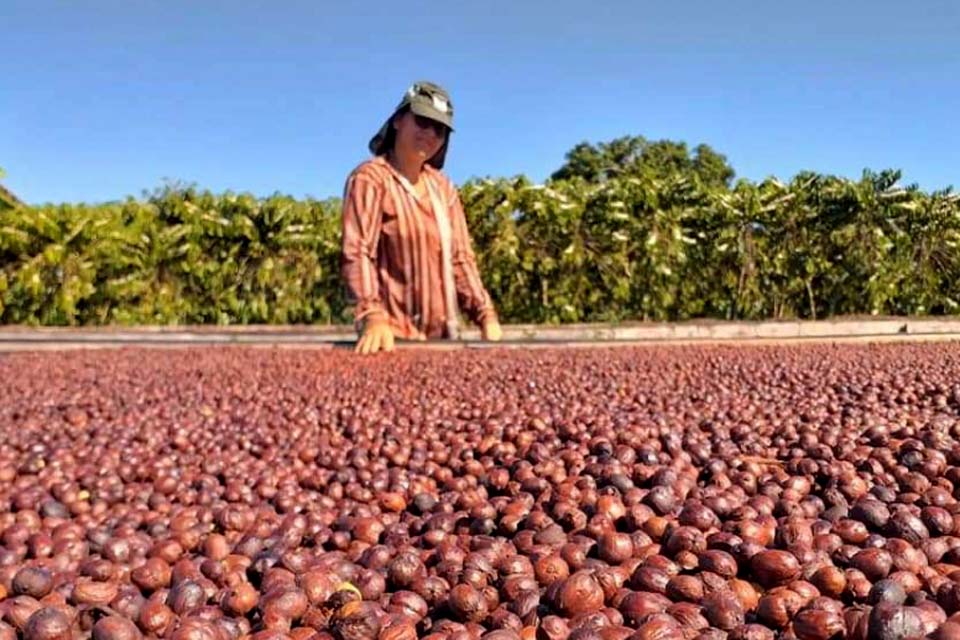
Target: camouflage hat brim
[(436, 108)]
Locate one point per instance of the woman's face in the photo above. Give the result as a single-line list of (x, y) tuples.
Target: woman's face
[(418, 136)]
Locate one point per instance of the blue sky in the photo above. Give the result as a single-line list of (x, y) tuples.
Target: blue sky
[(104, 99)]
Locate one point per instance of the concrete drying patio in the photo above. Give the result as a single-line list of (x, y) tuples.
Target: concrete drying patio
[(652, 333)]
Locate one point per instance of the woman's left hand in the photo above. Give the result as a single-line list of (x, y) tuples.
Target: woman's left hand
[(491, 331)]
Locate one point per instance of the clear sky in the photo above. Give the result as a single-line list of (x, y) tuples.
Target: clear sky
[(100, 99)]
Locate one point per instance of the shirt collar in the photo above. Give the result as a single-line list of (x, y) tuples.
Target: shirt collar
[(402, 179)]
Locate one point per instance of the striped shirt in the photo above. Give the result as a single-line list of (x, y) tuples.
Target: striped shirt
[(392, 257)]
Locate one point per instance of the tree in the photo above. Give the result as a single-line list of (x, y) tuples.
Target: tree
[(7, 199), (634, 155)]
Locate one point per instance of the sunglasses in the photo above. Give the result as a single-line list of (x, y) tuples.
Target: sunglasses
[(426, 123)]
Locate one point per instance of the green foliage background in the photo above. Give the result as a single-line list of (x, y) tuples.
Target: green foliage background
[(624, 230)]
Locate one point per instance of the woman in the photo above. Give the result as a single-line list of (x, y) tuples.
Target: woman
[(407, 256)]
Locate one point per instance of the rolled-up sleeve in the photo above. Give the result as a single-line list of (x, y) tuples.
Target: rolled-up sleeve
[(360, 238), (472, 296)]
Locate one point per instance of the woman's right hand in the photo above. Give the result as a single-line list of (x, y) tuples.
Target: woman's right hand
[(377, 336)]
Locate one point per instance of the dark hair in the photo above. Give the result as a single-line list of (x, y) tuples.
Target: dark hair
[(390, 138)]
